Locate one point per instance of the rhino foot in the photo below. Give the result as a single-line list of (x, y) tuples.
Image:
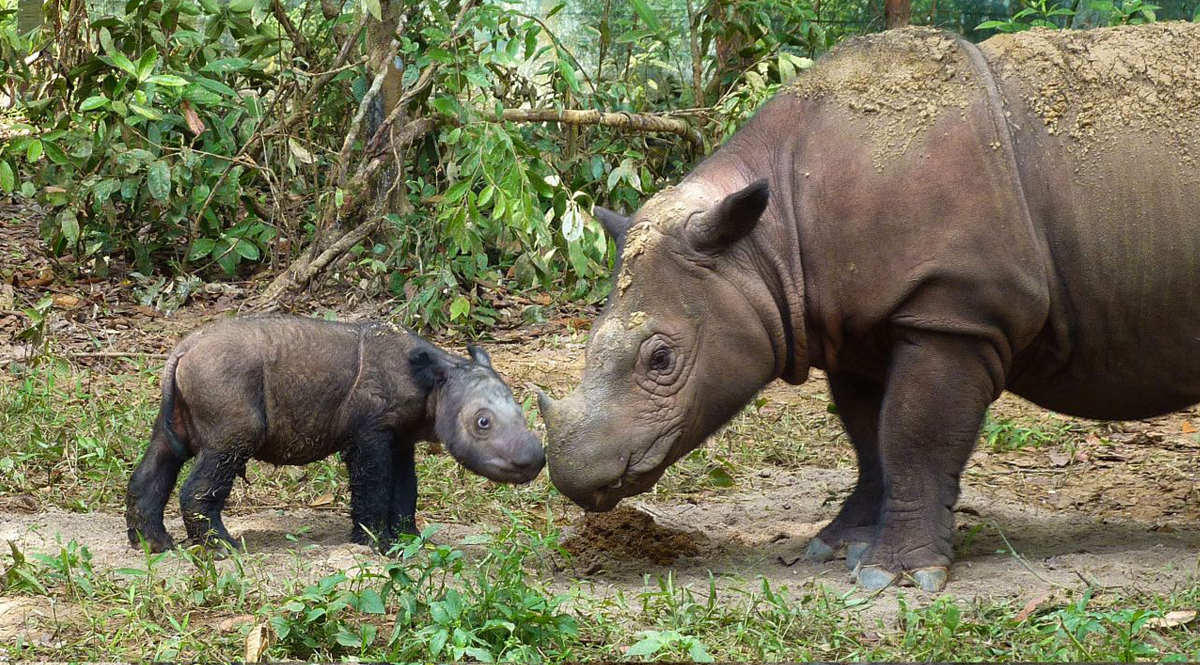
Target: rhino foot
[(875, 578), (819, 551), (854, 553)]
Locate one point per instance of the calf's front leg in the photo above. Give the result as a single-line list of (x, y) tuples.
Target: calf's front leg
[(937, 391)]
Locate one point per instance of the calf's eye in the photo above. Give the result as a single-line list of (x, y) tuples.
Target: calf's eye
[(484, 422)]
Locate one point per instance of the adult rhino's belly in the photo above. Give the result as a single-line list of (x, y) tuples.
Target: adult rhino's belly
[(1123, 342)]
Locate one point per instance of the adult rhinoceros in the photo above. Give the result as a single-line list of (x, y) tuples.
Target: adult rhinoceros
[(931, 223)]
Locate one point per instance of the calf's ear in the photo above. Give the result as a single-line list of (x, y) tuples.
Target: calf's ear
[(732, 219), (480, 356), (429, 370)]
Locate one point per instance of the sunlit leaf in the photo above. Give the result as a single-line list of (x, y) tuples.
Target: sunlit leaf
[(158, 180)]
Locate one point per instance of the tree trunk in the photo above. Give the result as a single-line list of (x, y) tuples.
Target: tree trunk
[(697, 61), (389, 189), (896, 13)]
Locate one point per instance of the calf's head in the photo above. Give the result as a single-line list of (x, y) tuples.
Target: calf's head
[(476, 416), (680, 349)]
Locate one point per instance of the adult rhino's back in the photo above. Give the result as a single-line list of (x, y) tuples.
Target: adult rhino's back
[(1106, 133)]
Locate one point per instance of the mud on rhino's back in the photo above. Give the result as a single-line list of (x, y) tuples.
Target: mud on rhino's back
[(1106, 128)]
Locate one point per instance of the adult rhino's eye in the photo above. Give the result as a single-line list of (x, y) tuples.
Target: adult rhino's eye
[(660, 360)]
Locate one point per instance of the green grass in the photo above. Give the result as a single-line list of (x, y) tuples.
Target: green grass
[(432, 602), (72, 437)]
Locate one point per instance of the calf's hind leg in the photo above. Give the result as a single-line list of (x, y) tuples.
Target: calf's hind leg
[(203, 495), (150, 487)]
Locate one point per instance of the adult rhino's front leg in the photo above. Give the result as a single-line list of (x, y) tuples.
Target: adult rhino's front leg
[(859, 401), (938, 388)]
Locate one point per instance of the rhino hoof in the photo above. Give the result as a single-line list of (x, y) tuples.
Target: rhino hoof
[(931, 579), (854, 554), (819, 552), (874, 578)]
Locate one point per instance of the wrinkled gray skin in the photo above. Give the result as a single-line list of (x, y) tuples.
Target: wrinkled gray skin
[(293, 390), (923, 290)]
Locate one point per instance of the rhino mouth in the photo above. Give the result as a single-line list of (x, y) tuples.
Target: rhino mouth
[(642, 472)]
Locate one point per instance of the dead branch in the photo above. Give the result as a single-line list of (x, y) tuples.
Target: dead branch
[(641, 122), (290, 28)]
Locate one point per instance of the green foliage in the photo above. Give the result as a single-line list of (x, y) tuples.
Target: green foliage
[(1033, 14), (439, 609), (1128, 12), (142, 152), (1004, 434)]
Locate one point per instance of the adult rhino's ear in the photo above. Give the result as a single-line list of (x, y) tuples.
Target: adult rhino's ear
[(615, 224), (429, 369), (480, 356), (731, 219)]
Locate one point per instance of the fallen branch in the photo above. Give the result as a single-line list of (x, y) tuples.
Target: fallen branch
[(300, 275), (640, 122), (113, 354)]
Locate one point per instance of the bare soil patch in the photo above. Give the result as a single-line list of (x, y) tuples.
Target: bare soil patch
[(629, 533)]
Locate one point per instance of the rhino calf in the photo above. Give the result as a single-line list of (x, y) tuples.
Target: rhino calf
[(293, 390)]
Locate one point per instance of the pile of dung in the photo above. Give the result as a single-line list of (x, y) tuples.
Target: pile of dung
[(1091, 86), (894, 84), (628, 534)]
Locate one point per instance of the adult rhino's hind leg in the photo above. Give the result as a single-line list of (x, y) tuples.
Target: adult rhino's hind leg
[(858, 401), (938, 389)]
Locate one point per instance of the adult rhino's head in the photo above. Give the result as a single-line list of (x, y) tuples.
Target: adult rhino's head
[(691, 332)]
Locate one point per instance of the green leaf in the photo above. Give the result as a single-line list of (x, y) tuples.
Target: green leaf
[(227, 260), (145, 112), (169, 80), (216, 86), (719, 477), (55, 153), (644, 12), (226, 65), (94, 102), (369, 602), (201, 247), (460, 308), (648, 645), (240, 6), (437, 642), (348, 639), (145, 66), (373, 7), (8, 179), (34, 152), (69, 225), (247, 249), (158, 179), (123, 62), (568, 73), (698, 653)]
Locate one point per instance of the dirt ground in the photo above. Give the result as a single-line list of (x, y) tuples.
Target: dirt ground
[(1120, 507)]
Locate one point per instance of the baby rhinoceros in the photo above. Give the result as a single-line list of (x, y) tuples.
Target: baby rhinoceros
[(292, 390)]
